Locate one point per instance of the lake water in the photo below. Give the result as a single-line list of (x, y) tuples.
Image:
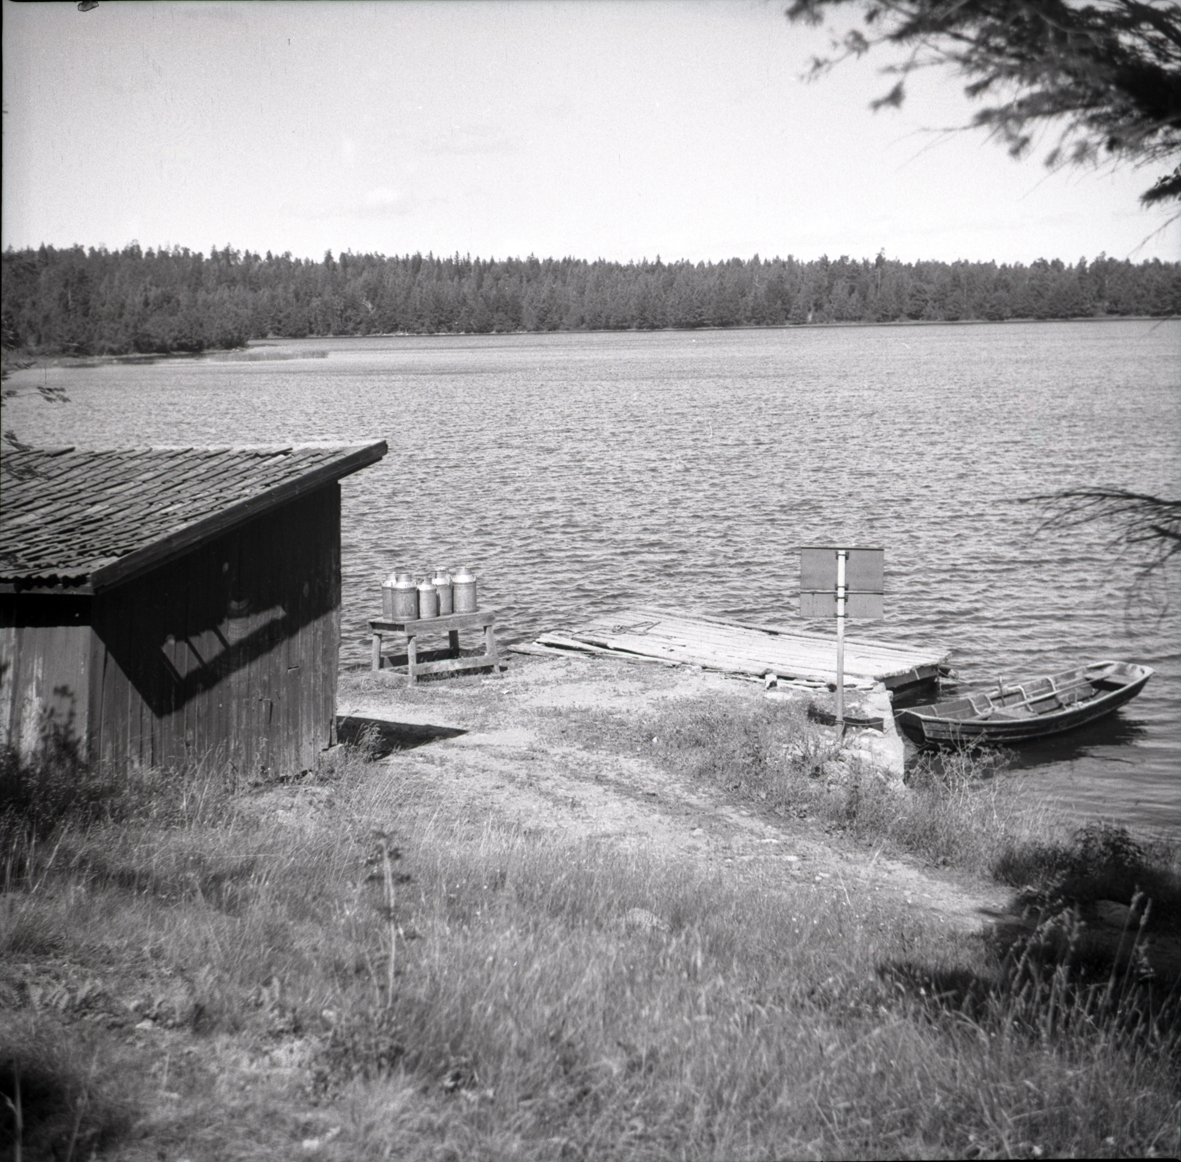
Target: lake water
[(582, 474)]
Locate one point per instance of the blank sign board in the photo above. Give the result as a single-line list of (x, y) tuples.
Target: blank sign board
[(864, 582)]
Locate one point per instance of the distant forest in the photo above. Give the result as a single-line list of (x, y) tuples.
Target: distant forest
[(100, 302)]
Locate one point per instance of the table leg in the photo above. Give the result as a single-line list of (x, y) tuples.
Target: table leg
[(411, 659), (490, 647), (376, 658), (453, 642)]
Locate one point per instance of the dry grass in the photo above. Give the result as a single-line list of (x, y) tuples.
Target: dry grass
[(959, 812), (343, 970)]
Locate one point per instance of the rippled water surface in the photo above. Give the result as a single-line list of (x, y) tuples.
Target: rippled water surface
[(581, 474)]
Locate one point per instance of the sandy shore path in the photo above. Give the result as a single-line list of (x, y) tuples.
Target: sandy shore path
[(550, 746)]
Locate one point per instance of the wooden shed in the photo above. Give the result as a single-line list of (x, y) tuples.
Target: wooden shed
[(165, 604)]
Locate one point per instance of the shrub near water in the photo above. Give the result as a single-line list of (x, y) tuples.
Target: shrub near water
[(1101, 861)]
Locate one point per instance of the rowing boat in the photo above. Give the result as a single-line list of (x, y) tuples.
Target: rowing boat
[(1027, 710)]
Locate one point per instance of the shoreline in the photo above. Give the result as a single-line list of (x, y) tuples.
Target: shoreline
[(575, 718), (22, 360)]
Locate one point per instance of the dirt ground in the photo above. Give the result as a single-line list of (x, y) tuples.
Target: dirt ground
[(527, 756)]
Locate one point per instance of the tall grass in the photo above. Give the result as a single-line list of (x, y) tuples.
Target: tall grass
[(744, 1022), (357, 970), (166, 898), (958, 812), (54, 788)]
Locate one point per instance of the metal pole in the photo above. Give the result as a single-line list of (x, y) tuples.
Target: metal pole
[(841, 555)]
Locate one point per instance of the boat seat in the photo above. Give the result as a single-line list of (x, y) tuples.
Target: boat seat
[(1012, 696), (988, 707)]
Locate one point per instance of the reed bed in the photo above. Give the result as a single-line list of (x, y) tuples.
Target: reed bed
[(348, 969)]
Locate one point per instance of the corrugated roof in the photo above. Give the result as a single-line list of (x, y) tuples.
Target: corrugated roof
[(89, 519)]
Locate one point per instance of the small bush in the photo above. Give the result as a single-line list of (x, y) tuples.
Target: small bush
[(364, 1042), (1100, 861), (55, 1101), (56, 787), (51, 785)]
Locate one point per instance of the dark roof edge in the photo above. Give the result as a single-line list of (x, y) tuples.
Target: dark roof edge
[(157, 553), (50, 585)]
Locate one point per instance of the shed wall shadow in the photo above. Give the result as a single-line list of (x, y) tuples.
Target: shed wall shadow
[(230, 650)]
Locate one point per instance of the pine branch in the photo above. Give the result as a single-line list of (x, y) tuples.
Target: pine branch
[(1140, 518)]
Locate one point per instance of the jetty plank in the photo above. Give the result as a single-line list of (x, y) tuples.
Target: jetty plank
[(753, 650)]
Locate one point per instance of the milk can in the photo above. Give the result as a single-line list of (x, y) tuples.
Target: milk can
[(442, 582), (405, 598), (428, 599), (387, 597), (463, 587)]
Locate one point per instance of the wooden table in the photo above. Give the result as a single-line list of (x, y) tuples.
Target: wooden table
[(452, 623)]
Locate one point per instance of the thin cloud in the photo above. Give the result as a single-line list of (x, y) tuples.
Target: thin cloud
[(381, 203), (468, 139), (385, 203)]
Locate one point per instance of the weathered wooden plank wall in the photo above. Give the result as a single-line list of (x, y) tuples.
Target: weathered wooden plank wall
[(44, 668), (228, 653)]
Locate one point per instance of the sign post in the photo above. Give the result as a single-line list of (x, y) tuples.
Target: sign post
[(842, 557), (841, 582)]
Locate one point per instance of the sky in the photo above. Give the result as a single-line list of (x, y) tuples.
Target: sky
[(623, 130)]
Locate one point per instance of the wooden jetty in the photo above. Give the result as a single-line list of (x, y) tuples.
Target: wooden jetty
[(807, 659)]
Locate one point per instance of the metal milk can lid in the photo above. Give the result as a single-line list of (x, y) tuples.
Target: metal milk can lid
[(462, 576)]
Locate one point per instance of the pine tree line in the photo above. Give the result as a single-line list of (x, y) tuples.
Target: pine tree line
[(100, 302)]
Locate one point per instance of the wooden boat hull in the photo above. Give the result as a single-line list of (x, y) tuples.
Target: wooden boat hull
[(1029, 710)]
